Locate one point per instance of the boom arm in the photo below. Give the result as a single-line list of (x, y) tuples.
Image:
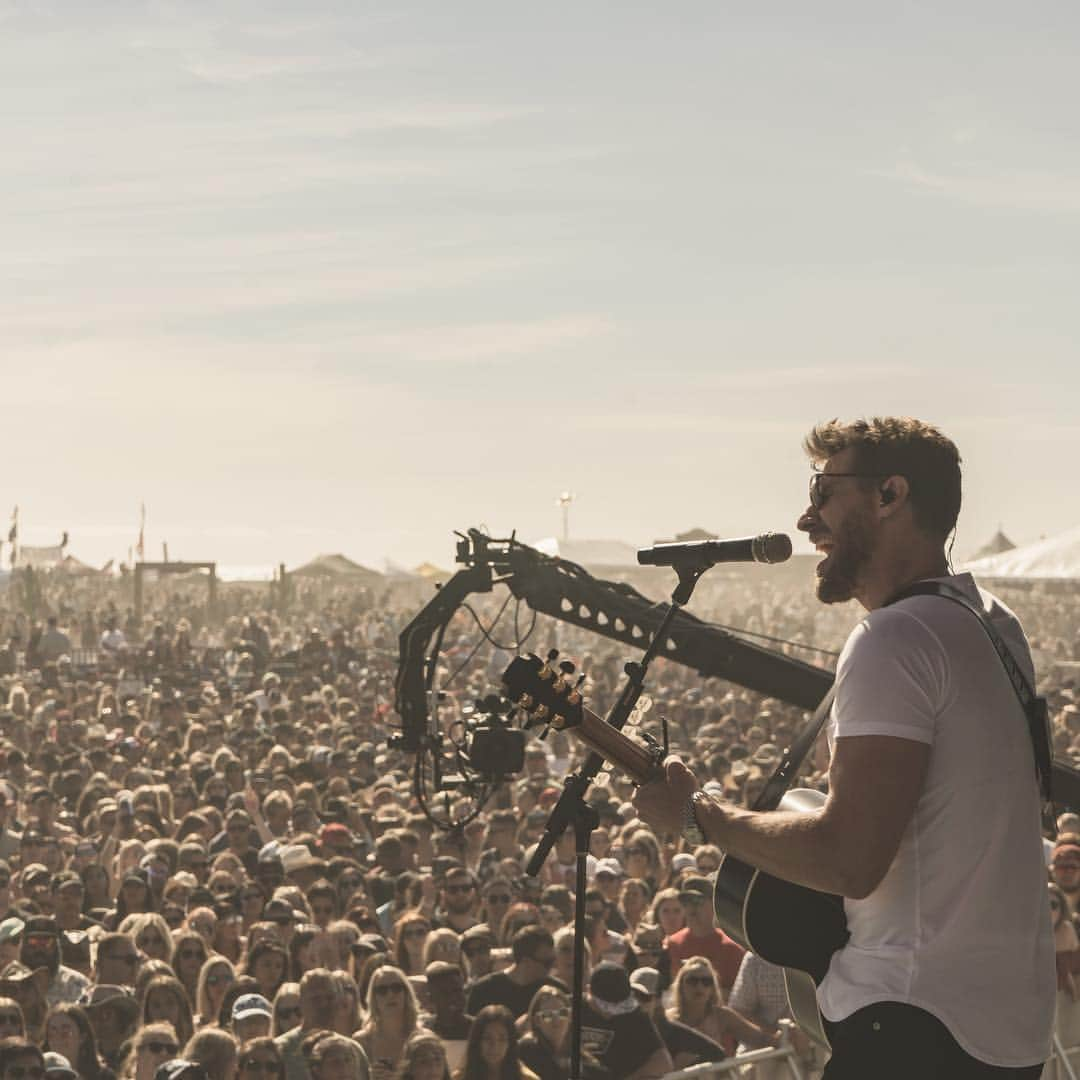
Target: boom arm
[(618, 611)]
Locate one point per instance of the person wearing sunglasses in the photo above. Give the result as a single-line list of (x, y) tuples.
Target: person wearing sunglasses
[(393, 1014), (41, 948), (260, 1059), (21, 1060), (153, 1045), (949, 968), (545, 1046), (458, 901), (697, 1003)]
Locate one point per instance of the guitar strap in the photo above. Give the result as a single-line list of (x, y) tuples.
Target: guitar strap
[(1034, 706), (781, 779)]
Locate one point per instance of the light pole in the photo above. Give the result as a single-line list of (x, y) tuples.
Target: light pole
[(564, 500)]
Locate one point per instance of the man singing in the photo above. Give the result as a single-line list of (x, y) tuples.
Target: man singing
[(931, 828)]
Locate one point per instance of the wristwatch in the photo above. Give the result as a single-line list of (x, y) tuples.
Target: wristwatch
[(692, 831)]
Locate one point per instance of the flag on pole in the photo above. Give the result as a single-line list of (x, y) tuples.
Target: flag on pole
[(140, 547)]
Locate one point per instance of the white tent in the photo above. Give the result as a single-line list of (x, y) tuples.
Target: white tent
[(1053, 558), (590, 553)]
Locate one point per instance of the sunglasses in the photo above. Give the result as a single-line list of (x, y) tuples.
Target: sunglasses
[(459, 888), (499, 898), (162, 1048), (819, 494), (553, 1014)]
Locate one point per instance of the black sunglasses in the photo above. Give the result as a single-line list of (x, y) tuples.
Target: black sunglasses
[(162, 1048), (819, 495)]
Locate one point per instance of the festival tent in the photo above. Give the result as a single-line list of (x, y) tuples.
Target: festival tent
[(592, 554), (997, 543), (337, 566), (1054, 558)]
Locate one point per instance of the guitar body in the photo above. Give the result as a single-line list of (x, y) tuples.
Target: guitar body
[(788, 925)]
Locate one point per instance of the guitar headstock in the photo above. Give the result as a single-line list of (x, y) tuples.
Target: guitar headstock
[(546, 694)]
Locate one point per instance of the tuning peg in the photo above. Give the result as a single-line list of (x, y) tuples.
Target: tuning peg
[(552, 656), (567, 667)]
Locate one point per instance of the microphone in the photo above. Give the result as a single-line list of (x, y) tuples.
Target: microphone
[(766, 548)]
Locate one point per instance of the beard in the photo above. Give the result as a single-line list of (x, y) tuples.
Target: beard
[(838, 573)]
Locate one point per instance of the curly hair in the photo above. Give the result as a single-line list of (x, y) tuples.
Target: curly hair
[(899, 446)]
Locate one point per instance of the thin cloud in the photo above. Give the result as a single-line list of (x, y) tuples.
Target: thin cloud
[(1047, 192)]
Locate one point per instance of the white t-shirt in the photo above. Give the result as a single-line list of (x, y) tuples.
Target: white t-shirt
[(960, 925)]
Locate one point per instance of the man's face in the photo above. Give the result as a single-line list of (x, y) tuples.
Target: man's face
[(459, 892), (116, 963), (1066, 871), (40, 950), (68, 900), (842, 527), (448, 995), (317, 1000)]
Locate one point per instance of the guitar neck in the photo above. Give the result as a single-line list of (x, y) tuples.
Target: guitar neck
[(637, 761)]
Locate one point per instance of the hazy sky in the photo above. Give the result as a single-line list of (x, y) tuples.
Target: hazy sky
[(338, 276)]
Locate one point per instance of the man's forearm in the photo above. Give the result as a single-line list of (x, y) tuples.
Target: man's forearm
[(798, 847)]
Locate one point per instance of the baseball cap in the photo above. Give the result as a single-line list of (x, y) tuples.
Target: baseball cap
[(646, 980), (251, 1005)]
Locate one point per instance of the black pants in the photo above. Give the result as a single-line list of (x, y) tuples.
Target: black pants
[(890, 1041)]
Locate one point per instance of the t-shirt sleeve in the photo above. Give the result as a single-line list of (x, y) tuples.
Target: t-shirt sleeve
[(892, 678)]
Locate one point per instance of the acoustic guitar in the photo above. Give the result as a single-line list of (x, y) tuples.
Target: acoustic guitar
[(791, 926)]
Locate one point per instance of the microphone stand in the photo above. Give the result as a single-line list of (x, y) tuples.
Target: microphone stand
[(573, 810)]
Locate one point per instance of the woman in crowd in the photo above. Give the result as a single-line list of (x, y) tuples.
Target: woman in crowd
[(545, 1047), (442, 944), (641, 857), (633, 902), (215, 979), (424, 1058), (227, 939), (697, 1003), (492, 1052), (392, 1016), (166, 1000), (286, 1008), (189, 955), (302, 951), (666, 911), (151, 933), (267, 962), (410, 935), (152, 1045), (68, 1031)]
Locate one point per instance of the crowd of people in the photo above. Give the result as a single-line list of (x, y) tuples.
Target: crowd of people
[(213, 864)]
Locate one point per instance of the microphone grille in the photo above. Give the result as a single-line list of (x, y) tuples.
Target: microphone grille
[(772, 548)]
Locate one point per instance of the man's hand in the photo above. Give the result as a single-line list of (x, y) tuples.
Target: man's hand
[(662, 803)]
